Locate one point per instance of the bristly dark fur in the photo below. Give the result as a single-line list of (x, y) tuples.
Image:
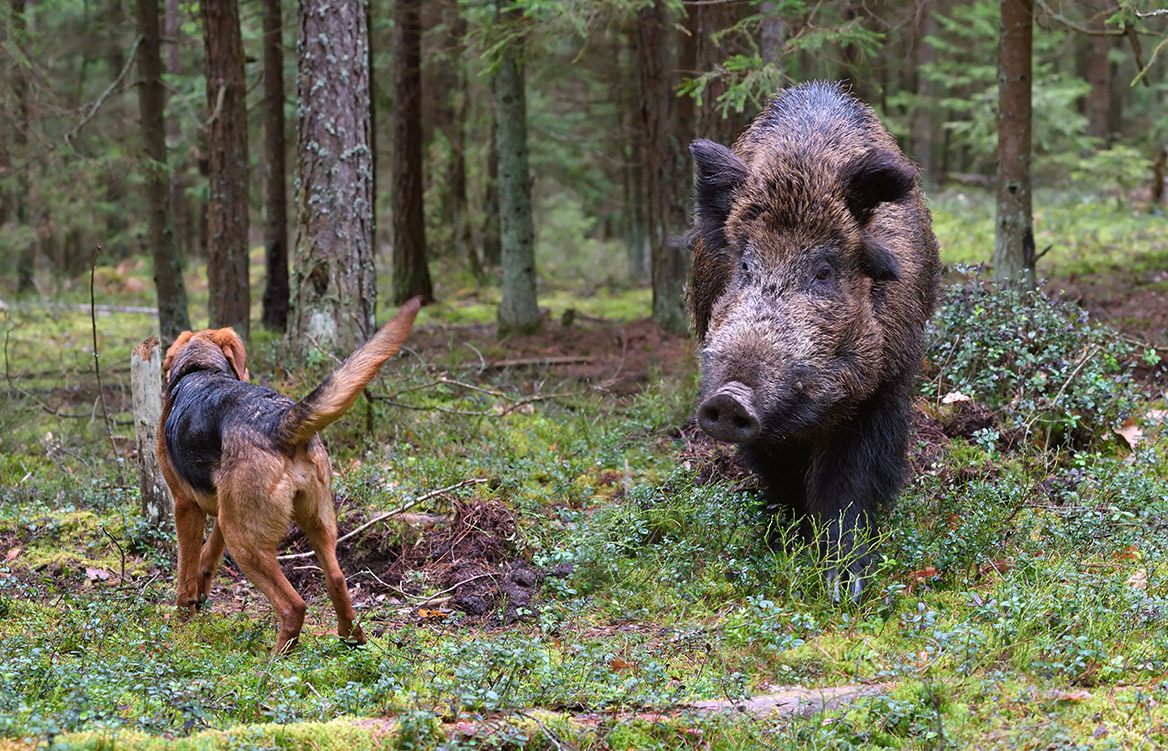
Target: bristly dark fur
[(814, 271)]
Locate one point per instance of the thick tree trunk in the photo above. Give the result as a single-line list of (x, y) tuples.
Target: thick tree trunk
[(227, 219), (667, 174), (411, 276), (275, 314), (333, 280), (1014, 238), (518, 312), (173, 314)]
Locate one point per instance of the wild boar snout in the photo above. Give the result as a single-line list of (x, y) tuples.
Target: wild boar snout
[(729, 415)]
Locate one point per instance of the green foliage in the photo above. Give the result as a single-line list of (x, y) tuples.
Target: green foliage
[(1043, 365)]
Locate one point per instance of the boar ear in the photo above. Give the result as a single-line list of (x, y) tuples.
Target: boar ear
[(874, 178), (879, 262), (719, 172)]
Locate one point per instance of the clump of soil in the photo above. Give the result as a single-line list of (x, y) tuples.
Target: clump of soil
[(468, 560), (714, 461)]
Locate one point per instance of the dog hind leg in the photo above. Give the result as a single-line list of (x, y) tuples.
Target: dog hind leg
[(320, 526), (263, 571), (209, 560)]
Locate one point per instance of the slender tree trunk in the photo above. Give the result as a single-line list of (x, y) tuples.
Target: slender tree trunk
[(173, 315), (666, 179), (26, 261), (180, 205), (457, 99), (333, 279), (637, 239), (227, 219), (518, 312), (492, 243), (1097, 64), (411, 276), (923, 123), (275, 181), (772, 34), (1014, 238)]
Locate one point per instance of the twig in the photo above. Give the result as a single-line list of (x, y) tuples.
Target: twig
[(544, 729), (388, 514), (104, 95), (97, 366), (118, 545), (426, 600), (523, 361)]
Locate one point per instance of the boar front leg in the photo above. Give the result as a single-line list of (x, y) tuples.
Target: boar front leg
[(858, 470)]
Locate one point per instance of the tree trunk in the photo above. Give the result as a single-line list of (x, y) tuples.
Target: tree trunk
[(492, 243), (1014, 239), (923, 127), (1097, 64), (457, 100), (26, 261), (667, 174), (275, 314), (173, 314), (637, 238), (180, 205), (146, 395), (411, 276), (518, 312), (227, 219), (772, 34), (333, 279)]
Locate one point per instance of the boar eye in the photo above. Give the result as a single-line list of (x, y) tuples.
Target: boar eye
[(823, 274)]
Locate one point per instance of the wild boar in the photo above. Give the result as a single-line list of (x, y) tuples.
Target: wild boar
[(815, 269)]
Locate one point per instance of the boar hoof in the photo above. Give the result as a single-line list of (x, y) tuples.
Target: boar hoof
[(728, 417)]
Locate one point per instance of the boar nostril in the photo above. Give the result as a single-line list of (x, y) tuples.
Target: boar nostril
[(728, 418)]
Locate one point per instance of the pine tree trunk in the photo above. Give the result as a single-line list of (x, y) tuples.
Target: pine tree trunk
[(518, 312), (180, 204), (457, 99), (227, 218), (173, 314), (667, 175), (1097, 69), (333, 279), (275, 314), (1014, 238), (411, 276), (923, 123)]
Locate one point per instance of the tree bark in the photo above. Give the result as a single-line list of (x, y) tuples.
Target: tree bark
[(180, 204), (333, 278), (1014, 238), (518, 312), (146, 395), (227, 218), (667, 174), (275, 315), (923, 128), (173, 313), (411, 276)]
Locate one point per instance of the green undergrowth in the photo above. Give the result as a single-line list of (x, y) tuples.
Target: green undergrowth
[(1020, 598)]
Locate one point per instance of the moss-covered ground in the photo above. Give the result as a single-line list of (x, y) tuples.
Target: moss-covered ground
[(610, 568)]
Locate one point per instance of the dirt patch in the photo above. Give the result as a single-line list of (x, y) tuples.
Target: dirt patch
[(623, 356), (466, 561)]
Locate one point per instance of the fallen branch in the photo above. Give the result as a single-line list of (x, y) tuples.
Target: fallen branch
[(388, 514), (520, 362)]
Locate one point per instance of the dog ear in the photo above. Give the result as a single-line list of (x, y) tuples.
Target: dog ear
[(232, 347), (173, 350)]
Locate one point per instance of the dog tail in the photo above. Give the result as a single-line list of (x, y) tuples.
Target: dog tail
[(333, 397)]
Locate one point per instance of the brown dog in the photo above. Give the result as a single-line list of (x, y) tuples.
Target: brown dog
[(252, 458)]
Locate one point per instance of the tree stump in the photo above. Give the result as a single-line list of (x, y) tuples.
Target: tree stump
[(146, 390)]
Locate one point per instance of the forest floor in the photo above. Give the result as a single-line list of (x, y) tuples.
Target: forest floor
[(571, 564)]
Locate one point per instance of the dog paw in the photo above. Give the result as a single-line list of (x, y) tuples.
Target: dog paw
[(355, 638)]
